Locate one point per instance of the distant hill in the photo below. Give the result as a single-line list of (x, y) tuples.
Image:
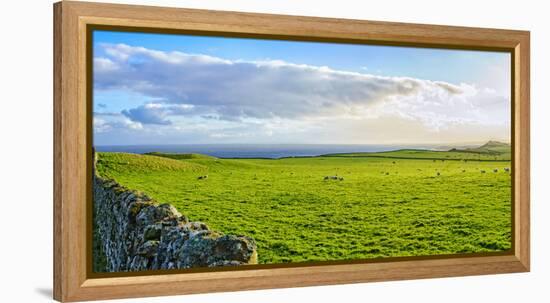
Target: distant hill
[(489, 151), (492, 148)]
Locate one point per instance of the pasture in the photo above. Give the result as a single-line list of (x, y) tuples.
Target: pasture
[(403, 203)]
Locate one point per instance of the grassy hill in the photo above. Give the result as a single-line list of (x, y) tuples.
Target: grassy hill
[(180, 156), (490, 151), (107, 163), (388, 204), (493, 148)]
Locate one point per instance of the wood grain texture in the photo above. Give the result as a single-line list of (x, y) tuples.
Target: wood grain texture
[(522, 151), (72, 145), (57, 107)]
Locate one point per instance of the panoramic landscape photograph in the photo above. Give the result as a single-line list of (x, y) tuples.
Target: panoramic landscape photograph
[(216, 151)]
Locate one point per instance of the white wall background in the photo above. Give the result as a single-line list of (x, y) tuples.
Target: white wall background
[(26, 149)]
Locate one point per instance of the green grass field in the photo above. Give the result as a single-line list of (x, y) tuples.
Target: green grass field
[(387, 205)]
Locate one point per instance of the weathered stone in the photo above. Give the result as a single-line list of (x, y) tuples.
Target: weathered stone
[(135, 208), (148, 249), (197, 226), (209, 248), (139, 263), (152, 232), (156, 213)]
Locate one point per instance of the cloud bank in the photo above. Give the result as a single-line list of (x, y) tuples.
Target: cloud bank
[(222, 98)]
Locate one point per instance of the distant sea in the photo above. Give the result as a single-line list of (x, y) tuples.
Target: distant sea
[(272, 151)]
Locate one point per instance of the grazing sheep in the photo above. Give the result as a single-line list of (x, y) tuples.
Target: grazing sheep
[(507, 169), (495, 170), (393, 162), (331, 178), (387, 174), (341, 179), (438, 173), (482, 171), (463, 170), (203, 177)]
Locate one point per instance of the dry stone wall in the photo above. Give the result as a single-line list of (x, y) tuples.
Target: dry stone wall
[(132, 232)]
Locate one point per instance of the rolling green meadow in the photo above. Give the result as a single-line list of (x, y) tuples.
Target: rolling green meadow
[(389, 204)]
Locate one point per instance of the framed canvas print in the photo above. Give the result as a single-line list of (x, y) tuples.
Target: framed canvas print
[(201, 151)]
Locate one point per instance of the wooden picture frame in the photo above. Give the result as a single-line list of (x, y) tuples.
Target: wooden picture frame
[(72, 150)]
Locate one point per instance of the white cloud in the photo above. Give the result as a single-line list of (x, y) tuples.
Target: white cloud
[(105, 122), (104, 65), (195, 86), (156, 113)]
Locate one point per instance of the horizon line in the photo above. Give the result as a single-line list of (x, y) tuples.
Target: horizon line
[(373, 144)]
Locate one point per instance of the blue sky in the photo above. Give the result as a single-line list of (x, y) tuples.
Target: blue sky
[(154, 89), (423, 63)]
